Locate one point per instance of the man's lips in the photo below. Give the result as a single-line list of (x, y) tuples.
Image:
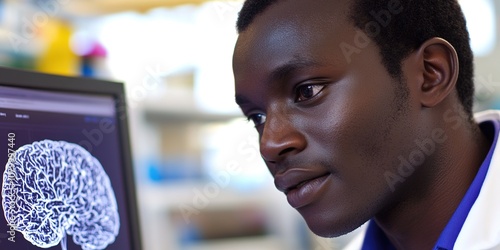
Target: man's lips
[(302, 186), (297, 178)]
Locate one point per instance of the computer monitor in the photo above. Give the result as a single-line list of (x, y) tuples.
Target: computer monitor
[(67, 179)]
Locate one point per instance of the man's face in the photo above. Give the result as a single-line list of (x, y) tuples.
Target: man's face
[(330, 128)]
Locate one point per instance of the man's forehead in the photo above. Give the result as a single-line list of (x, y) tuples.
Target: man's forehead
[(276, 30), (288, 12)]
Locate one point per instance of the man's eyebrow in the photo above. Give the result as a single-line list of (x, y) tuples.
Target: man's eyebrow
[(280, 73), (240, 100), (286, 69)]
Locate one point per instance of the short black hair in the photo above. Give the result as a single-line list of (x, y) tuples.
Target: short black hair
[(406, 31), (250, 9)]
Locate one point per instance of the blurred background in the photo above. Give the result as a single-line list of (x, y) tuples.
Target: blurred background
[(200, 181)]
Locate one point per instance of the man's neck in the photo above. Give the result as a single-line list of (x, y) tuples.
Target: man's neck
[(434, 193)]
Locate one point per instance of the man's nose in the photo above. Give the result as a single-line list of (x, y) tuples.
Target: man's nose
[(280, 138)]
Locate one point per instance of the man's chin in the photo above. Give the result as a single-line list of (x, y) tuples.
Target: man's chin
[(330, 232), (331, 227)]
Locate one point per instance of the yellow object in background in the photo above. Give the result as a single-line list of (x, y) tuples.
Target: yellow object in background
[(57, 57)]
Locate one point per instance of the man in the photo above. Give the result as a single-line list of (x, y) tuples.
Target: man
[(364, 111)]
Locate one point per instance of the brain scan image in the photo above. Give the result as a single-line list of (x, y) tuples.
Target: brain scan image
[(52, 189)]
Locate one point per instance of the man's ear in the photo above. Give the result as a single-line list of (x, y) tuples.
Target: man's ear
[(438, 69)]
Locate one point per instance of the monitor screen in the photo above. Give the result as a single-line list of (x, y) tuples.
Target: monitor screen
[(65, 161)]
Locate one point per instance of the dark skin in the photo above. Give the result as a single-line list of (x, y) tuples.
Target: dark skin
[(330, 130)]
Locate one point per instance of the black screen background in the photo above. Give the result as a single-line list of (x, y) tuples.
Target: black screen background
[(84, 130)]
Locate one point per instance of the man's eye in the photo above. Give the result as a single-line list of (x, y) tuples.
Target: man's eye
[(306, 92), (257, 119)]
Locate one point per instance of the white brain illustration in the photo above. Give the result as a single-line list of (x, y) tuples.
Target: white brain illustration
[(54, 188)]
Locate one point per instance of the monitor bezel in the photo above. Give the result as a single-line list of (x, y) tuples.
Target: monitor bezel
[(11, 77)]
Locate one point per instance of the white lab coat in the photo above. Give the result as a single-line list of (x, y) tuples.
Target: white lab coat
[(481, 229)]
